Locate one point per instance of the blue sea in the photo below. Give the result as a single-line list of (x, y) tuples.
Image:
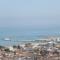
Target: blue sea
[(19, 35)]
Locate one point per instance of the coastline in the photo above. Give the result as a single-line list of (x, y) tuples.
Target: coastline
[(33, 41)]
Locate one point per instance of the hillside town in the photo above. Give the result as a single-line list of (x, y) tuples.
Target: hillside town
[(41, 49)]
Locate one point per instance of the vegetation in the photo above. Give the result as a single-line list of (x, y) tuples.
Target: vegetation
[(18, 47), (7, 50), (2, 47), (14, 46), (44, 53)]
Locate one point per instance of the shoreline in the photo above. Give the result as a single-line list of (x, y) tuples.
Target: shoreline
[(12, 42)]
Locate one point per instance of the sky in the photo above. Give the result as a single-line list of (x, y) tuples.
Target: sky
[(30, 13)]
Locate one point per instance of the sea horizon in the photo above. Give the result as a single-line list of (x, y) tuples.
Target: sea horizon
[(18, 35)]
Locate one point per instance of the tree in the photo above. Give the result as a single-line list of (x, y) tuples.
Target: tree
[(14, 46), (44, 53), (18, 47), (7, 50), (2, 47)]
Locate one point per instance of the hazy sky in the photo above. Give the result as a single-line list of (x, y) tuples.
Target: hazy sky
[(30, 13)]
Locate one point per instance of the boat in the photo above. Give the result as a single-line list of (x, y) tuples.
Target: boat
[(7, 39)]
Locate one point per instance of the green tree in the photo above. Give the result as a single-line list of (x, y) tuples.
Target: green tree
[(44, 53), (7, 50)]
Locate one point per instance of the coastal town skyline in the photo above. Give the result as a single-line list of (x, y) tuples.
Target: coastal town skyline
[(30, 30)]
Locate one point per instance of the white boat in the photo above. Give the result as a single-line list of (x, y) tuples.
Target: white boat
[(7, 39)]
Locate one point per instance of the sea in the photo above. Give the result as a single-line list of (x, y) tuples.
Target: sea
[(17, 36)]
